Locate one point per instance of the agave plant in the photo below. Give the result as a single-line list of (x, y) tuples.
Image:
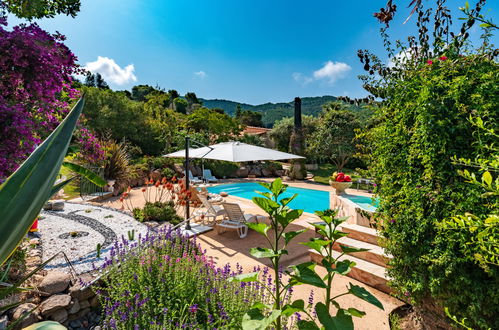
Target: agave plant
[(24, 193)]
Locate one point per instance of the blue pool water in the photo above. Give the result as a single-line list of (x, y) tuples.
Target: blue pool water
[(308, 199), (367, 203)]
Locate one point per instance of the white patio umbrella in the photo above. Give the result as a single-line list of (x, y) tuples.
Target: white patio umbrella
[(228, 151), (235, 152)]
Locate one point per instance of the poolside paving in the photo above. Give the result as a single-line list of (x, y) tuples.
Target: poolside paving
[(229, 248)]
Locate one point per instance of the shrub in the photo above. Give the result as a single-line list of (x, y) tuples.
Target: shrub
[(165, 281), (157, 163), (158, 211), (221, 169), (168, 173), (272, 166), (422, 124)]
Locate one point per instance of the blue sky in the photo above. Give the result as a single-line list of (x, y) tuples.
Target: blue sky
[(248, 51)]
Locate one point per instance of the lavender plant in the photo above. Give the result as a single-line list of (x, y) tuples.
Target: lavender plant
[(165, 281)]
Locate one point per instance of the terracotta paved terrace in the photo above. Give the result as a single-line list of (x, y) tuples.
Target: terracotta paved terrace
[(229, 248)]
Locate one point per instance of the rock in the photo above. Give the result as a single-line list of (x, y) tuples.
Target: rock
[(55, 282), (54, 303), (84, 294), (84, 304), (75, 324), (256, 171), (60, 316), (74, 307), (280, 172), (94, 301), (4, 320), (22, 310), (58, 205), (155, 175), (34, 241), (242, 172), (47, 206), (35, 253), (13, 299), (83, 312), (151, 224), (196, 171), (267, 172)]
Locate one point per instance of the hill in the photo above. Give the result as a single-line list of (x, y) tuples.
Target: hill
[(274, 111)]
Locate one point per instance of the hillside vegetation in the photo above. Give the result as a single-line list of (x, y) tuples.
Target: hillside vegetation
[(276, 111)]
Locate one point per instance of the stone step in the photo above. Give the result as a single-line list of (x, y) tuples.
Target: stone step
[(360, 233), (375, 253), (366, 272)]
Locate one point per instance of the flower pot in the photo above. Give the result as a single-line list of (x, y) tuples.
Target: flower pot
[(340, 186)]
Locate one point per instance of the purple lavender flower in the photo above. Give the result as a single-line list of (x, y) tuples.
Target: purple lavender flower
[(193, 309)]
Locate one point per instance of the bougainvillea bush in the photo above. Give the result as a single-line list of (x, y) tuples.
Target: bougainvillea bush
[(165, 281), (35, 90), (429, 101)]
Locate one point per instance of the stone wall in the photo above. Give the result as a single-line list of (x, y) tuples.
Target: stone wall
[(58, 298), (353, 211), (55, 296)]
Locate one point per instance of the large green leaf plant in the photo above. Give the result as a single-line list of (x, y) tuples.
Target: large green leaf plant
[(262, 316), (24, 193)]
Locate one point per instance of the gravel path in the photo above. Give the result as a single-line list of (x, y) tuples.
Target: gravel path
[(78, 229)]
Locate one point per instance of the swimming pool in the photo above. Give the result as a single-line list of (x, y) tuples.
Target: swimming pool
[(365, 202), (310, 200)]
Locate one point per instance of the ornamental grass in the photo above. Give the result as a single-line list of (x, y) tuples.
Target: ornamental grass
[(165, 281)]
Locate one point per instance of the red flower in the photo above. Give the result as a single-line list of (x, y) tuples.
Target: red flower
[(429, 62), (442, 58)]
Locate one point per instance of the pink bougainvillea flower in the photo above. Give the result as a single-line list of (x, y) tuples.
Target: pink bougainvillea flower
[(429, 62), (442, 58)]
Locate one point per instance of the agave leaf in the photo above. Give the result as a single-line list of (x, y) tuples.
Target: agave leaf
[(60, 185), (86, 173), (24, 193)]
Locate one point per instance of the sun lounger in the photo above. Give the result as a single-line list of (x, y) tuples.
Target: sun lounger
[(236, 219), (208, 176), (194, 179)]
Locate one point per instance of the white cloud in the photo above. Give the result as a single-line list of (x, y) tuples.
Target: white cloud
[(111, 71), (200, 74), (332, 71)]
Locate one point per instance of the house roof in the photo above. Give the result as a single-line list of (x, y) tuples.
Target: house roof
[(253, 130)]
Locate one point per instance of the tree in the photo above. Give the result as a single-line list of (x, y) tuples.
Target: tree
[(34, 93), (281, 132), (173, 95), (109, 112), (249, 118), (180, 105), (239, 110), (217, 127), (140, 92), (40, 8), (333, 140), (95, 80), (89, 79), (192, 98), (428, 101), (100, 82)]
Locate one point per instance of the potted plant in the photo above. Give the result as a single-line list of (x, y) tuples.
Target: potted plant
[(340, 182)]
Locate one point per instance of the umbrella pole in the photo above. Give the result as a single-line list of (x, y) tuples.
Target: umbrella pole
[(187, 215)]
